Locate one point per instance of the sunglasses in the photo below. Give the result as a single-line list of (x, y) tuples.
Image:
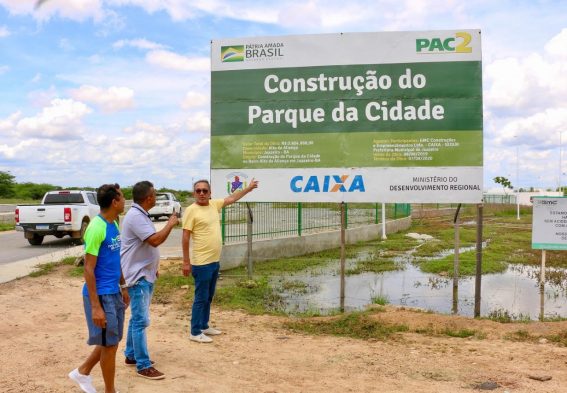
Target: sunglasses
[(201, 191)]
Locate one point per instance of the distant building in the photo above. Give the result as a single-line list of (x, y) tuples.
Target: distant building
[(498, 195)]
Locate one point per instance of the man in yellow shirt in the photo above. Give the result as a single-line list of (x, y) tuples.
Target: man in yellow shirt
[(202, 221)]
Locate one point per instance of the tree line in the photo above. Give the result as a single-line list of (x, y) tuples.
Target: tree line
[(9, 188)]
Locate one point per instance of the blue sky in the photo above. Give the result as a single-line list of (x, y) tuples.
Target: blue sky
[(97, 91)]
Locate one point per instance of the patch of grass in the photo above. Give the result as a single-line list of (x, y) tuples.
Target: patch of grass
[(396, 242), (77, 271), (15, 201), (463, 333), (253, 296), (375, 265), (356, 324), (467, 265), (380, 299), (560, 338), (6, 227), (296, 264), (554, 318), (46, 268), (504, 316), (521, 336), (295, 286), (169, 284)]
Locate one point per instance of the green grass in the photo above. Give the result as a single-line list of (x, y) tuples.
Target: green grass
[(253, 296), (560, 338), (507, 239), (380, 300), (356, 325), (504, 316), (169, 284), (467, 265), (463, 333), (46, 268), (16, 201), (6, 227), (374, 265), (521, 336)]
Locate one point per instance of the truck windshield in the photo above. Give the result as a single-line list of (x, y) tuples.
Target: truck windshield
[(57, 199)]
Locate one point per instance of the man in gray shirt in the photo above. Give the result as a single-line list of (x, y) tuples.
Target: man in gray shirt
[(140, 262)]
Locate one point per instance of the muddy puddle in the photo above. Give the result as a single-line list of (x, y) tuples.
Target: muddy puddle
[(515, 291)]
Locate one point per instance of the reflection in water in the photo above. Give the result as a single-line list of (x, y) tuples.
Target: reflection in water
[(516, 290)]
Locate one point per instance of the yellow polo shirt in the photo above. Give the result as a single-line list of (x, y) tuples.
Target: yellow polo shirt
[(204, 224)]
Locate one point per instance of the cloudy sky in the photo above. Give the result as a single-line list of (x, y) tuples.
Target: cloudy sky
[(94, 91)]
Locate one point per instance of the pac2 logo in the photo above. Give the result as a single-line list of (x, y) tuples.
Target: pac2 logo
[(457, 44), (327, 183)]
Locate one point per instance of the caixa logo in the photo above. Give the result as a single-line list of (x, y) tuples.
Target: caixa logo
[(327, 183)]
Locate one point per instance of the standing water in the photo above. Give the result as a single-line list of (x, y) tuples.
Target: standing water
[(515, 291)]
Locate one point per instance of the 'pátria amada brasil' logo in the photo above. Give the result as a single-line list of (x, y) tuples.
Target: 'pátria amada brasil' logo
[(252, 52), (232, 53)]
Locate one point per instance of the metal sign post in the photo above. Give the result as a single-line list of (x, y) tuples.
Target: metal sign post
[(343, 225), (478, 277), (456, 263), (249, 221)]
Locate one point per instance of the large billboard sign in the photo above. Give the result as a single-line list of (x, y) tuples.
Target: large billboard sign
[(549, 223), (361, 117)]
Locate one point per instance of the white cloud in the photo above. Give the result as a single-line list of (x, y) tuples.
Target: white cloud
[(532, 83), (112, 99), (140, 43), (19, 149), (174, 61), (62, 119), (78, 10), (8, 124), (4, 32), (195, 100), (557, 46), (199, 122), (41, 98)]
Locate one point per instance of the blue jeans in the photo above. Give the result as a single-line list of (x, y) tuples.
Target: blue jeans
[(205, 283), (136, 343)]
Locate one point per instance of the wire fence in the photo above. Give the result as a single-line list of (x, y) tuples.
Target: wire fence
[(287, 219)]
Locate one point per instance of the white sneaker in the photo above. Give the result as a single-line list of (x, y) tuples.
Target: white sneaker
[(84, 381), (211, 331), (201, 338)]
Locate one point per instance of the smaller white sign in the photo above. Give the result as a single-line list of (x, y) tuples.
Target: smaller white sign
[(549, 223)]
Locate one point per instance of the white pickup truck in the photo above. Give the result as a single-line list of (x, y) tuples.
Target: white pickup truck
[(60, 213)]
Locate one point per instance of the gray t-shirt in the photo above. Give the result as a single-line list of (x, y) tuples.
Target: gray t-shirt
[(138, 258)]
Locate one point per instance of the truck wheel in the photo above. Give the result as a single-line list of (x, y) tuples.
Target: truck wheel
[(84, 226), (36, 240)]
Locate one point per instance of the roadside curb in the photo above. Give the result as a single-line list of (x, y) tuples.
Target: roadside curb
[(14, 270)]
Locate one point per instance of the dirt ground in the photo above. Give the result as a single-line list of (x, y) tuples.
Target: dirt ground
[(43, 333)]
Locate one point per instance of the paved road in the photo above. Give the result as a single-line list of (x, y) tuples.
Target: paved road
[(14, 247)]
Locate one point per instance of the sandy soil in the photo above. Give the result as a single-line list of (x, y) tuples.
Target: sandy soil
[(42, 337)]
